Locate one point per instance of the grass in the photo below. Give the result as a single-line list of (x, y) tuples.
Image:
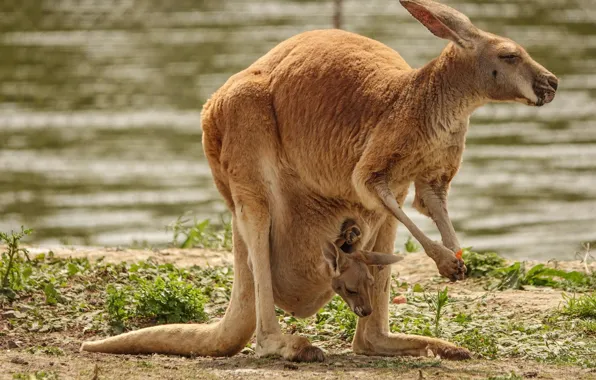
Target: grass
[(193, 233), (39, 375), (490, 266), (481, 264), (411, 246), (488, 332), (80, 299), (12, 276), (509, 376), (580, 307), (93, 296), (437, 304)]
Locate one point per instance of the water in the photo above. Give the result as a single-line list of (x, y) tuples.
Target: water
[(100, 103)]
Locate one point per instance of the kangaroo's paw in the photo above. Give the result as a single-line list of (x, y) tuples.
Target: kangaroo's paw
[(290, 347), (448, 264)]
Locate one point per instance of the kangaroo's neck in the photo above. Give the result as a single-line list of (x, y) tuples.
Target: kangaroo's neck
[(449, 84)]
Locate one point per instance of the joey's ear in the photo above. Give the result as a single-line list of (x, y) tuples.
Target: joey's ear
[(334, 258), (443, 21), (375, 258)]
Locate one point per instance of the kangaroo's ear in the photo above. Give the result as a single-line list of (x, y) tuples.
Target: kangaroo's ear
[(443, 21), (375, 258), (334, 258)]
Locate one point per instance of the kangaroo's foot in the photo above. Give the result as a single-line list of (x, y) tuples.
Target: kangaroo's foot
[(291, 347), (408, 345), (350, 234)]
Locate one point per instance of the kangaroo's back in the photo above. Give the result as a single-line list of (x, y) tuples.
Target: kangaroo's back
[(328, 89)]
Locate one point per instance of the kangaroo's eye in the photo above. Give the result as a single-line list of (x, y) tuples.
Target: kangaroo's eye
[(509, 58), (350, 291)]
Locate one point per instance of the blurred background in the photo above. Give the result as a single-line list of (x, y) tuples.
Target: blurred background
[(100, 100)]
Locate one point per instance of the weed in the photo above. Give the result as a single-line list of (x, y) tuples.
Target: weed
[(52, 294), (411, 246), (481, 264), (337, 314), (12, 275), (481, 344), (580, 307), (166, 299), (509, 376), (39, 375), (169, 300), (48, 350), (587, 327), (515, 276), (117, 308), (202, 234), (437, 304), (462, 318), (402, 363)]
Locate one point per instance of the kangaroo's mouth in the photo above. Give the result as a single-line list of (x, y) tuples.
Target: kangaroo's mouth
[(545, 92)]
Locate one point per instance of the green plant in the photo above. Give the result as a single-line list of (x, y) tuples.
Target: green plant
[(48, 350), (484, 345), (580, 307), (516, 276), (510, 376), (481, 264), (165, 299), (437, 304), (201, 234), (12, 275), (338, 314), (116, 307), (39, 375), (411, 246), (52, 294), (170, 300)]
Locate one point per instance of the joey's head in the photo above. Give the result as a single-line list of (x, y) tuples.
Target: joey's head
[(351, 279), (497, 68)]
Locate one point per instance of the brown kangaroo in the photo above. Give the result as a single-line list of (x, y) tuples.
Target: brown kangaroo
[(330, 126)]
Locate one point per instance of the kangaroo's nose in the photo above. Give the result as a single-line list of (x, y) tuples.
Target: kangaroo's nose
[(553, 81)]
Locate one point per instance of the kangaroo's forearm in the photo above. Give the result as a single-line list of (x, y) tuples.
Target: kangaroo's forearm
[(388, 199), (434, 201)]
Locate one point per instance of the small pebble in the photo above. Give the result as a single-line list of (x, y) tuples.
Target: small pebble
[(17, 360), (399, 300)]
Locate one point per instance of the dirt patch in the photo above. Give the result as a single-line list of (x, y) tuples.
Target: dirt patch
[(178, 257), (346, 366), (548, 350)]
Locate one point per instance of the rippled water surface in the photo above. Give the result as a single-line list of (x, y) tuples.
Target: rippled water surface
[(100, 103)]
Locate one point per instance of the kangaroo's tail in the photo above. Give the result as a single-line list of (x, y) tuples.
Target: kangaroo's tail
[(223, 338)]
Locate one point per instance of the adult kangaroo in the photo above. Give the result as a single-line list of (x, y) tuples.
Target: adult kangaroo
[(330, 126)]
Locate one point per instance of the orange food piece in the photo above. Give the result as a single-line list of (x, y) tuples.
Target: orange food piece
[(459, 254), (400, 299)]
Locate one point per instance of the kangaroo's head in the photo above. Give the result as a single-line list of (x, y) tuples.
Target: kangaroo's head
[(501, 69), (351, 278)]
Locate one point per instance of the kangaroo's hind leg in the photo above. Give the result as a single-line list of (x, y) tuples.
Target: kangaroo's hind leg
[(249, 156), (372, 333), (349, 235)]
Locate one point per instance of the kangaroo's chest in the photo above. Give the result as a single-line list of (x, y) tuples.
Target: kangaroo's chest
[(440, 158)]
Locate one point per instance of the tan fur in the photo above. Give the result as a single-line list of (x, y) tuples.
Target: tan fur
[(330, 126)]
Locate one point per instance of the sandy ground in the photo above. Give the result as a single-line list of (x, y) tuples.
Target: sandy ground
[(343, 365)]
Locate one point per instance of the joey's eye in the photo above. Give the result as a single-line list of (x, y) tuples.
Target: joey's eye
[(350, 291)]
